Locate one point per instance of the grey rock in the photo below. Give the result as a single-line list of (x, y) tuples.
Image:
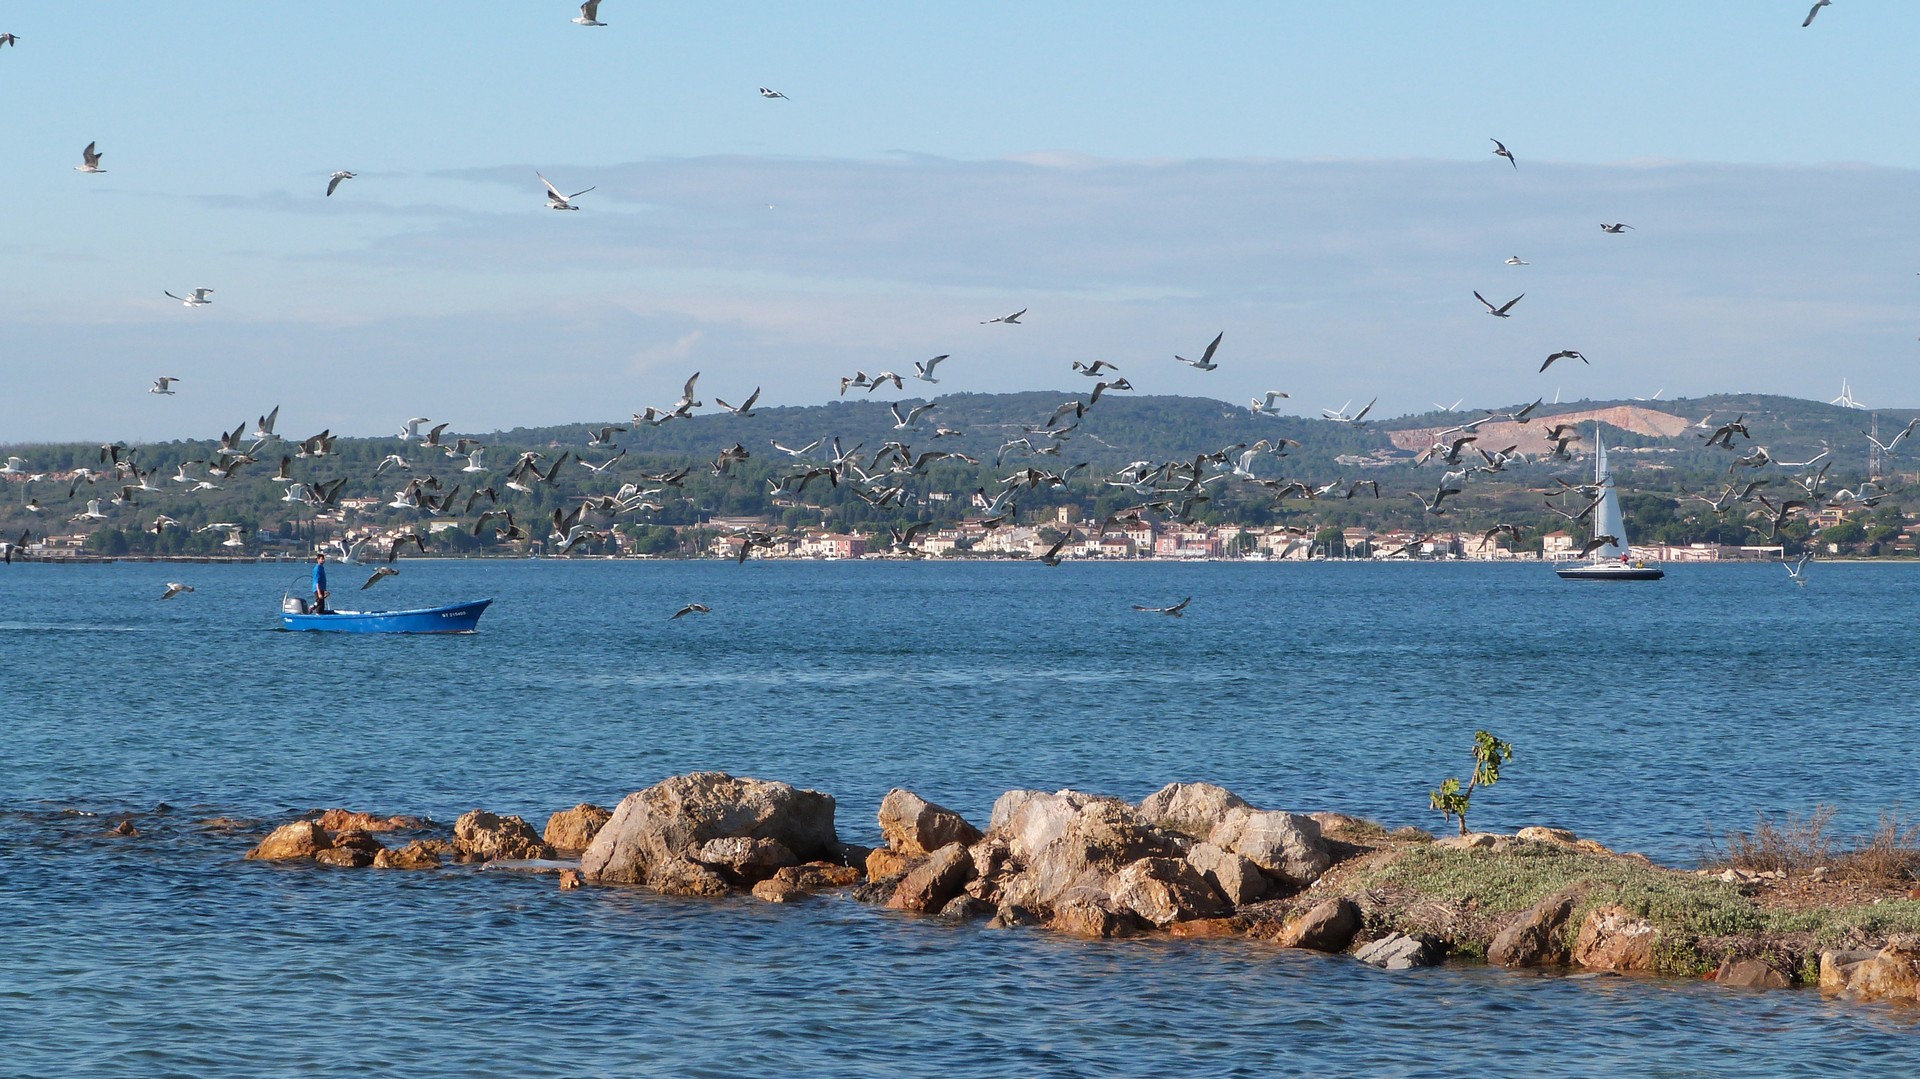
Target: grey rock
[(1401, 951)]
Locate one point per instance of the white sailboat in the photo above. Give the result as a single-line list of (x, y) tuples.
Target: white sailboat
[(1612, 560)]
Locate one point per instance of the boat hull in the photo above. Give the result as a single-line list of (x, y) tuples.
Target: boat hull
[(1611, 571), (456, 618)]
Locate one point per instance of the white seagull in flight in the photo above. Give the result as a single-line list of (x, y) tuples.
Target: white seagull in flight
[(89, 159), (771, 94), (196, 298), (164, 384), (1011, 320), (334, 180), (589, 14), (1818, 4), (557, 201)]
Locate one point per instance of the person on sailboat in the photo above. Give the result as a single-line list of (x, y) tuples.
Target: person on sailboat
[(320, 583)]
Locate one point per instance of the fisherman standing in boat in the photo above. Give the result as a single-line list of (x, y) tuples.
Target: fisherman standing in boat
[(320, 583)]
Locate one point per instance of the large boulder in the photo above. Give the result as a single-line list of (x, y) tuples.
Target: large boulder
[(1402, 951), (1751, 973), (1539, 938), (484, 836), (682, 876), (659, 825), (301, 839), (1286, 846), (1614, 938), (1234, 875), (935, 881), (1060, 843), (1086, 914), (914, 826), (1162, 891), (571, 830), (1328, 927), (419, 854), (1192, 809), (744, 859), (885, 863), (1837, 967), (1892, 973)]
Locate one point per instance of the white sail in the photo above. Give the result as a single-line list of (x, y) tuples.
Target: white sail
[(1607, 520)]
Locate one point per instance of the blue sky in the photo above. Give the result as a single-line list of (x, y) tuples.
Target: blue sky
[(1314, 179)]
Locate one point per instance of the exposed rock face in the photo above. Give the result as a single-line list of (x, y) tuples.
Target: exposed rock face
[(1328, 927), (1162, 891), (1192, 809), (659, 825), (485, 836), (775, 890), (1087, 914), (885, 863), (1538, 938), (964, 908), (1837, 968), (915, 826), (571, 830), (301, 839), (569, 879), (1401, 952), (1538, 834), (336, 820), (1233, 875), (679, 876), (1751, 974), (344, 857), (743, 859), (1612, 938), (818, 876), (1059, 843), (1287, 846), (1892, 973), (419, 854), (935, 881)]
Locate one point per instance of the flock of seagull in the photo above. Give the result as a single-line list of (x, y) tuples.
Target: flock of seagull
[(1173, 490)]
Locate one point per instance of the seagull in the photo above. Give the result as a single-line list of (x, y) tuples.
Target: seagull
[(379, 574), (1448, 408), (1518, 261), (1205, 362), (1052, 557), (555, 200), (771, 94), (912, 418), (10, 39), (1500, 150), (1615, 228), (9, 548), (163, 384), (1266, 406), (1174, 611), (89, 159), (1501, 311), (692, 608), (263, 430), (1011, 320), (791, 452), (1597, 542), (174, 588), (1563, 354), (1798, 571), (196, 298), (334, 180), (1092, 370), (1815, 10), (924, 371), (744, 408), (589, 14)]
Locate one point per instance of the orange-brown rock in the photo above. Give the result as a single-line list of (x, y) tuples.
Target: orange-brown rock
[(1088, 914), (1613, 938), (1328, 927), (1892, 973), (572, 830), (1207, 928), (125, 828), (678, 876), (344, 857), (933, 882), (569, 879), (817, 876), (885, 863), (301, 839), (916, 826), (1538, 938), (483, 835), (334, 820), (357, 839), (419, 854), (1751, 974), (774, 890)]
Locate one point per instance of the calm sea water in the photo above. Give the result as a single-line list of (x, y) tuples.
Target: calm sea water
[(1645, 716)]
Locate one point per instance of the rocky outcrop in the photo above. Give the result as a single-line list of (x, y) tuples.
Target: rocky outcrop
[(1751, 973), (679, 876), (1050, 845), (1402, 951), (1613, 938), (914, 826), (1286, 846), (775, 890), (1328, 927), (1892, 973), (482, 836), (744, 860), (300, 840), (1538, 938), (1162, 891), (337, 820), (885, 863), (818, 876), (935, 881), (572, 830), (1233, 875), (652, 832), (419, 854), (1191, 809), (352, 848)]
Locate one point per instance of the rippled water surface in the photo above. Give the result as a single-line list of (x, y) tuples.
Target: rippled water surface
[(1642, 715)]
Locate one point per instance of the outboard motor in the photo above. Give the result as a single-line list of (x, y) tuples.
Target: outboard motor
[(293, 605)]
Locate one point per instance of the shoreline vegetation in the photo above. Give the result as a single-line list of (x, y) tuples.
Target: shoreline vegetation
[(1785, 905)]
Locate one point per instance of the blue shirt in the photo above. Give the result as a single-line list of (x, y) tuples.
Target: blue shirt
[(319, 577)]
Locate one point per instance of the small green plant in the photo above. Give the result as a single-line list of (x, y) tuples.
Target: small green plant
[(1488, 752)]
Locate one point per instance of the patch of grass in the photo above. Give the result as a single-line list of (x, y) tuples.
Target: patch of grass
[(1410, 834), (1849, 925)]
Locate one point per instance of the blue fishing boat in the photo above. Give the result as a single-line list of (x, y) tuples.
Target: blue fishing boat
[(456, 618)]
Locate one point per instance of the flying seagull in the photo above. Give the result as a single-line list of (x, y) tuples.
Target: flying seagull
[(589, 14), (1798, 571), (771, 94), (555, 200), (10, 39), (1815, 10), (334, 180), (1174, 611), (1501, 311), (1267, 405), (1052, 557), (1563, 354), (691, 608), (924, 370), (174, 588), (1518, 261), (163, 384), (1500, 150), (1616, 228), (1011, 320), (1205, 362), (379, 575), (196, 298), (89, 159)]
